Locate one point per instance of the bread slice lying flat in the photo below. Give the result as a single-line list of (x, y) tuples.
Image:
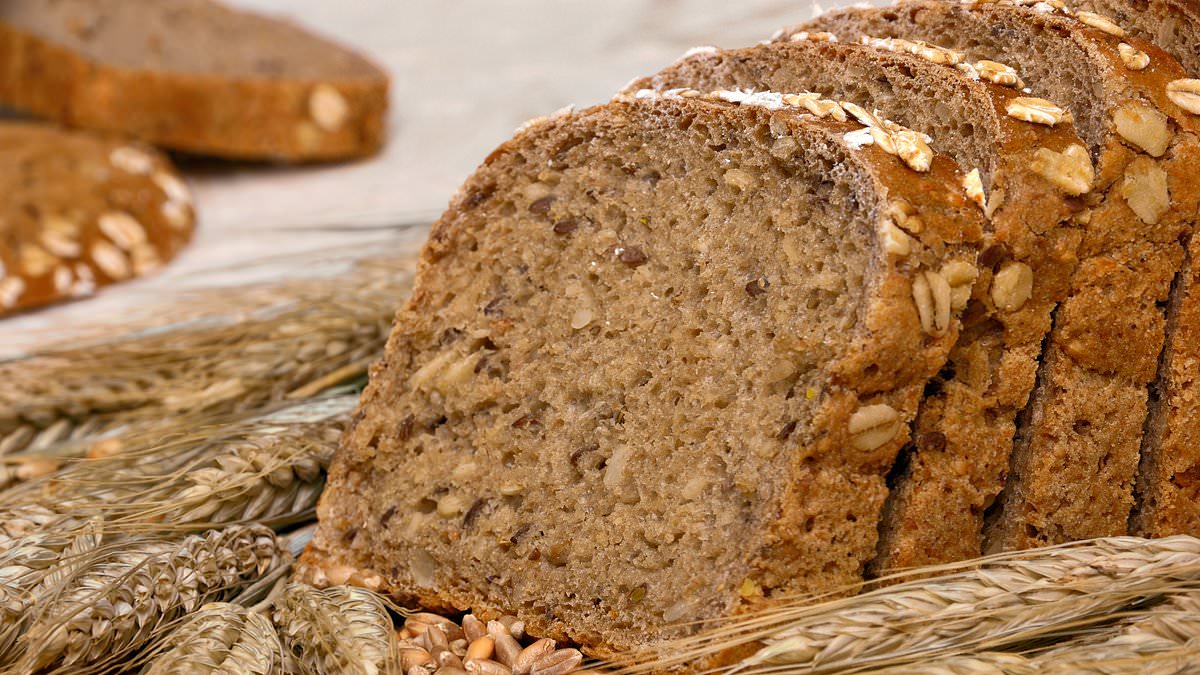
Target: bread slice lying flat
[(82, 211), (1074, 463), (191, 75), (659, 358), (953, 470)]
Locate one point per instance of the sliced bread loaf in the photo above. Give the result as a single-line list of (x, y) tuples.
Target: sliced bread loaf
[(80, 211), (191, 75), (659, 358), (954, 469), (1076, 456)]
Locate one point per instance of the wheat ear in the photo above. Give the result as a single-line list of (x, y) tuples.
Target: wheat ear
[(112, 606), (325, 334), (269, 470), (341, 629), (1159, 639), (979, 605), (31, 568), (220, 638)]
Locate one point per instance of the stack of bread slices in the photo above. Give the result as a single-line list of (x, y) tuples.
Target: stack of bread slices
[(899, 286)]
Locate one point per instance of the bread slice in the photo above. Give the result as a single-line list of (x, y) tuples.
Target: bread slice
[(659, 358), (1168, 486), (1173, 25), (81, 211), (955, 468), (1075, 459), (191, 75)]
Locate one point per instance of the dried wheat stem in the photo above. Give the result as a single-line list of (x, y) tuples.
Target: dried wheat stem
[(218, 639), (114, 603), (341, 629)]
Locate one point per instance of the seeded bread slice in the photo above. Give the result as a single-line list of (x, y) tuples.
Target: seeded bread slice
[(191, 75), (955, 467), (1076, 456), (659, 358), (81, 211), (1173, 25), (1168, 486)]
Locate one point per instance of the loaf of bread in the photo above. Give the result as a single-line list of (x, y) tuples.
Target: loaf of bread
[(1075, 460), (699, 348), (659, 358), (954, 469), (191, 75), (81, 211)]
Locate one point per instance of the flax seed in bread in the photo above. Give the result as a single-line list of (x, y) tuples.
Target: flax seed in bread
[(963, 434), (1074, 463), (191, 75), (80, 211), (659, 358)]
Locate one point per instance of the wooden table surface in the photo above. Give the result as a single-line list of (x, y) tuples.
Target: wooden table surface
[(465, 74)]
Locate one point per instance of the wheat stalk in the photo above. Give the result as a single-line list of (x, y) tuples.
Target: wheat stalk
[(980, 605), (325, 335), (112, 605), (341, 629), (217, 639)]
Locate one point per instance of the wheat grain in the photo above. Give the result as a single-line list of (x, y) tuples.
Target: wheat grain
[(114, 603), (980, 605), (342, 629), (325, 334), (219, 639)]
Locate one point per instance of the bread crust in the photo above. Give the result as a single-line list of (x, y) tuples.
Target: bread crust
[(1174, 25), (835, 491), (83, 211), (245, 116)]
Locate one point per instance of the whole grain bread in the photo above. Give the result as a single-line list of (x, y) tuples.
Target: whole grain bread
[(1173, 25), (1075, 459), (81, 211), (953, 471), (659, 358), (191, 75), (1168, 486)]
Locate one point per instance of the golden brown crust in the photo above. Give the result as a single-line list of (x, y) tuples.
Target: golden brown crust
[(888, 362), (82, 211), (241, 117)]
